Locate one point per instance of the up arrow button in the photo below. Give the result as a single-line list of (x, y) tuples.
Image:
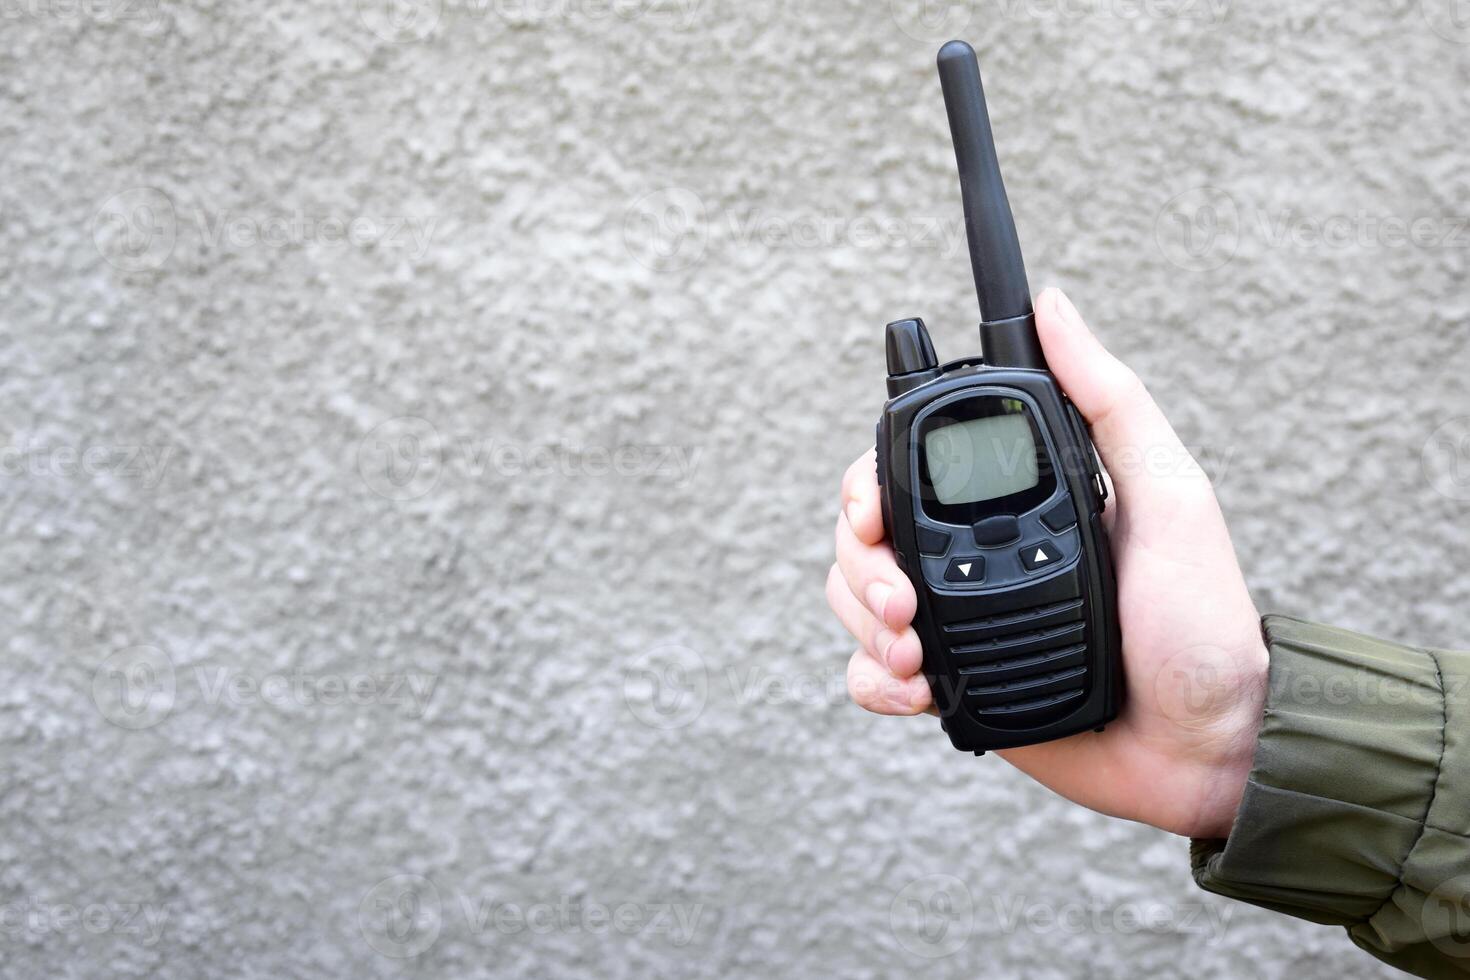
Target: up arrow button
[(1038, 554)]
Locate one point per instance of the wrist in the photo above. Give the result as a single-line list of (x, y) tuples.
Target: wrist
[(1226, 764)]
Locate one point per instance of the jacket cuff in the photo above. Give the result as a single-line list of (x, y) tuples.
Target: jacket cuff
[(1334, 815)]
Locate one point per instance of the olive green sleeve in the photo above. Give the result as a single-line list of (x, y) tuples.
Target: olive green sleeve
[(1357, 810)]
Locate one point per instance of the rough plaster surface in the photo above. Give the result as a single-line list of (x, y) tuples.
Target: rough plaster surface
[(422, 432)]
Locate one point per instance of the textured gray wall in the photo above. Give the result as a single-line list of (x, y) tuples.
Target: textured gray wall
[(422, 426)]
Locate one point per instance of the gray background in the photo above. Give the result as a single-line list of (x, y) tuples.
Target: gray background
[(509, 353)]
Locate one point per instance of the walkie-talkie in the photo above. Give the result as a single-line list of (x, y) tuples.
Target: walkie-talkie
[(992, 493)]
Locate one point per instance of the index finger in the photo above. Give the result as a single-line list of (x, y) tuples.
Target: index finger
[(860, 500)]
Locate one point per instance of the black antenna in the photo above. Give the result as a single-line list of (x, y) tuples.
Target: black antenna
[(1007, 328)]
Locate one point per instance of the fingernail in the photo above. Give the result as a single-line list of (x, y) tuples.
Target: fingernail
[(852, 510), (878, 594), (884, 642)]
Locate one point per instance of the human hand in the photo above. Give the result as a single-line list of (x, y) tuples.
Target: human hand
[(1178, 755)]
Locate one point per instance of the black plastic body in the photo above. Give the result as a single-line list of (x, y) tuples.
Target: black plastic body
[(1004, 663)]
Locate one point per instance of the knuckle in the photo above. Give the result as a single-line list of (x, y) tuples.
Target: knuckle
[(864, 690), (1131, 390)]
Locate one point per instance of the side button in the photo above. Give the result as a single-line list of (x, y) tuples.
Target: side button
[(879, 453), (1060, 517), (966, 569), (931, 542)]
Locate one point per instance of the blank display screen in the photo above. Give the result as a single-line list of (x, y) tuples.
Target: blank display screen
[(981, 459)]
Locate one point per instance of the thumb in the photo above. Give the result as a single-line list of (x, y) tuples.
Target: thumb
[(1132, 436)]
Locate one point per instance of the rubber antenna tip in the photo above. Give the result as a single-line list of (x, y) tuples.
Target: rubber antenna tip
[(955, 49)]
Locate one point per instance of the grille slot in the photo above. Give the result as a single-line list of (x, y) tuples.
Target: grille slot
[(1025, 707), (1019, 644), (1028, 688), (1050, 660), (1039, 617)]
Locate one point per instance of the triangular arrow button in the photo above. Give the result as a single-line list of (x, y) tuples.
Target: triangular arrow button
[(966, 570), (1038, 554)]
